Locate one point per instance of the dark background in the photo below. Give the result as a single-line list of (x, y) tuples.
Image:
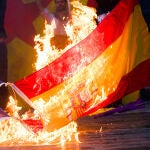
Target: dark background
[(145, 6)]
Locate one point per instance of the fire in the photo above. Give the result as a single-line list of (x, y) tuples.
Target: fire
[(81, 25), (13, 131)]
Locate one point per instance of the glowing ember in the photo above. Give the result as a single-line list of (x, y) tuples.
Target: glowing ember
[(14, 131)]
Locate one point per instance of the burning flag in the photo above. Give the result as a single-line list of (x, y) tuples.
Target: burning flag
[(108, 64)]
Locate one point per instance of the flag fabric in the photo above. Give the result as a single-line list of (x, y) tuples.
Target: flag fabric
[(113, 61)]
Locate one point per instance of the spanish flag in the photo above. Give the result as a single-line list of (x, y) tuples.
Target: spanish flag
[(113, 61)]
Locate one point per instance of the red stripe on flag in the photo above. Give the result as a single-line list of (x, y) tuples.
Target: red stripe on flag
[(114, 23)]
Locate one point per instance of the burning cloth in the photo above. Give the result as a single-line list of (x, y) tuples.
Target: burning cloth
[(108, 64)]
